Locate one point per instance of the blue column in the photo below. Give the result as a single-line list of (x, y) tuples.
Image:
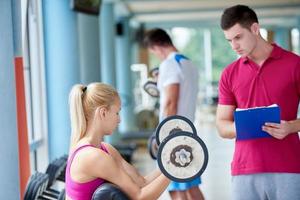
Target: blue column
[(107, 43), (282, 37), (16, 8), (62, 70), (107, 51), (208, 65), (123, 74), (9, 167), (88, 31)]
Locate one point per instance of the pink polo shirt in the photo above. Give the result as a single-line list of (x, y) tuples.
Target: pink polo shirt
[(244, 84)]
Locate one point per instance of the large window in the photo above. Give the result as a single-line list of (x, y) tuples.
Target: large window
[(34, 71)]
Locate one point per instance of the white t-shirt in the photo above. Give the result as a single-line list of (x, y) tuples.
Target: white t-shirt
[(185, 73)]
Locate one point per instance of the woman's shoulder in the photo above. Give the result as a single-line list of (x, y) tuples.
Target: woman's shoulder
[(107, 145), (92, 162), (88, 152), (110, 148)]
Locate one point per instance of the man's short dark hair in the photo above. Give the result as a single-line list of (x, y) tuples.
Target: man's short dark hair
[(157, 37), (240, 14)]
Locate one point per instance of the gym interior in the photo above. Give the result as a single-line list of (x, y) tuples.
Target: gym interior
[(50, 45)]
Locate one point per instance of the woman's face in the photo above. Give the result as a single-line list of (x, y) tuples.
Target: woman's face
[(113, 117)]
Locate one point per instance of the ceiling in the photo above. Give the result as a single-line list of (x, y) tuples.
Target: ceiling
[(207, 12)]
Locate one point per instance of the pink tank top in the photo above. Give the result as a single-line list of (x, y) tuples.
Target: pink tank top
[(81, 191)]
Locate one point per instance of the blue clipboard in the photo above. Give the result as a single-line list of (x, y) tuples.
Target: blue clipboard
[(249, 122)]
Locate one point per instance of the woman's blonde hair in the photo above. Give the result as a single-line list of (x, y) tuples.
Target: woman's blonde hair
[(83, 101)]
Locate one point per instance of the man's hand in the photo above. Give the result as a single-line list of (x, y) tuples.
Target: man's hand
[(278, 131)]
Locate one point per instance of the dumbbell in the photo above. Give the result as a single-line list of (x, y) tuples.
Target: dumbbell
[(168, 126), (150, 86), (182, 155), (37, 188), (36, 185), (56, 170), (154, 73), (152, 146)]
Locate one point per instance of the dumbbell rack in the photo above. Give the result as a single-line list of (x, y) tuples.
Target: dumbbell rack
[(40, 185)]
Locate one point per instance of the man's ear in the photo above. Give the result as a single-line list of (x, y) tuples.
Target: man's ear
[(255, 28)]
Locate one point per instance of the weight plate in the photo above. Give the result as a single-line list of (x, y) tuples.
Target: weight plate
[(173, 124), (182, 157)]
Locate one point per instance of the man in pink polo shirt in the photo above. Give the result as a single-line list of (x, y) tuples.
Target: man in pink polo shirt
[(265, 74)]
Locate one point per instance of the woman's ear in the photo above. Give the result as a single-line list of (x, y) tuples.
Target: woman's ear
[(101, 112)]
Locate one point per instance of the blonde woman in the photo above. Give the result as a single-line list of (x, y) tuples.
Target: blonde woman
[(94, 111)]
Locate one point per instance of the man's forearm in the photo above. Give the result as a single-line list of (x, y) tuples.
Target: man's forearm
[(226, 129), (295, 125), (171, 100), (170, 109)]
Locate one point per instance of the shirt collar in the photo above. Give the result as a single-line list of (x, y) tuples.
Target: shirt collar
[(275, 54), (171, 55)]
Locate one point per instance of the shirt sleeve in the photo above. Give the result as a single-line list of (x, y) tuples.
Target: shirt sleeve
[(226, 96), (171, 74)]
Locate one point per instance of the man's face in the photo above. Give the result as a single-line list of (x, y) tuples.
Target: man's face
[(242, 40), (156, 50)]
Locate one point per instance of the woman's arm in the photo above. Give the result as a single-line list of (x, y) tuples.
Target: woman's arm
[(129, 169), (153, 175), (99, 164)]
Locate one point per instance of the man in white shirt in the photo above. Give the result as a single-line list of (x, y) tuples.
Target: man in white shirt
[(178, 86)]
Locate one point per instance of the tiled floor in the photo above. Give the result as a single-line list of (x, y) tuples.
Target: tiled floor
[(216, 178)]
